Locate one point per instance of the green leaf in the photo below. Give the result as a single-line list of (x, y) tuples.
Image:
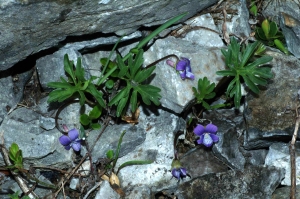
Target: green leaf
[(134, 162), (97, 95), (238, 94), (95, 112), (13, 149), (84, 119), (123, 68), (68, 67), (149, 93), (95, 126), (79, 72), (226, 73), (260, 34), (257, 80), (109, 84), (110, 154), (249, 51), (139, 60), (280, 46), (121, 105), (264, 72), (206, 105), (82, 98), (266, 27), (251, 85), (253, 10), (273, 29), (60, 95), (133, 101), (142, 75), (121, 94), (259, 61), (118, 149)]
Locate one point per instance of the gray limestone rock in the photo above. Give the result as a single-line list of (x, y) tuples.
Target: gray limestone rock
[(39, 147), (279, 156), (160, 128), (269, 116), (51, 67), (176, 93), (250, 183), (32, 26)]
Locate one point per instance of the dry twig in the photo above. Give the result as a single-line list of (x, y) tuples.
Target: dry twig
[(293, 154)]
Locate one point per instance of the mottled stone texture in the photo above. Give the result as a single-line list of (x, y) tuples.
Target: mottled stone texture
[(270, 117), (29, 26), (253, 182)]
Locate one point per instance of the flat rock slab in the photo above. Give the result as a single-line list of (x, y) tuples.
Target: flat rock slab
[(270, 117), (253, 182), (28, 27)]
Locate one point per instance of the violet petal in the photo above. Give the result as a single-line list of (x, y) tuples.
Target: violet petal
[(210, 128), (73, 134), (214, 137), (182, 74), (181, 65), (65, 140), (207, 140), (200, 141), (183, 172), (67, 147), (176, 173), (190, 75), (76, 146), (199, 130)]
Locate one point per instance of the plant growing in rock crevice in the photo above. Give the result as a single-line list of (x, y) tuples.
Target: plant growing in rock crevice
[(243, 69)]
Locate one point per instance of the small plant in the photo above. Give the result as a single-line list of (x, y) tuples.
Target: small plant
[(134, 75), (204, 92), (16, 156), (88, 120), (76, 84), (269, 34), (253, 8), (113, 157), (242, 70)]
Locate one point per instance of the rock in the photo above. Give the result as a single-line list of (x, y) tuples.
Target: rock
[(270, 116), (202, 161), (39, 147), (284, 193), (133, 137), (229, 125), (290, 25), (176, 93), (106, 191), (11, 91), (279, 157), (51, 67), (160, 128), (29, 27), (138, 192), (253, 182)]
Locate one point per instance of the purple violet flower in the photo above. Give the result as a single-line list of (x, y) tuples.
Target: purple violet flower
[(207, 134), (178, 171), (71, 140), (184, 68)]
